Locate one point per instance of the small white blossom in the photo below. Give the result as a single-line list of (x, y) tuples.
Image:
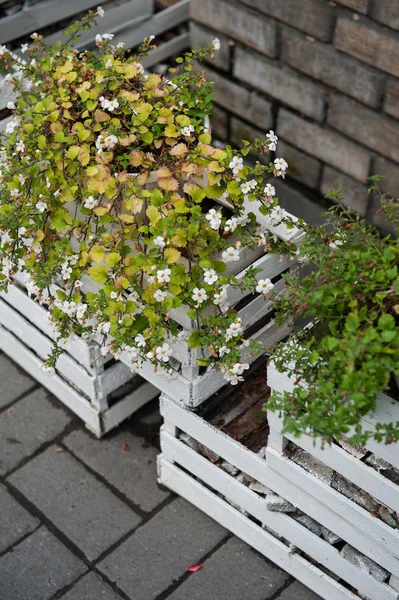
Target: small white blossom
[(199, 295), (187, 131), (14, 193), (108, 64), (231, 254), (104, 328), (239, 368), (159, 295), (20, 146), (236, 164), (210, 276), (215, 218), (47, 370), (91, 202), (245, 187), (41, 206), (334, 245), (234, 330), (264, 286), (220, 297), (159, 241), (280, 166), (110, 141), (273, 139), (108, 36), (269, 190), (140, 340), (10, 105), (163, 352), (100, 11), (81, 310), (105, 350), (216, 44), (277, 215), (223, 350), (11, 126), (120, 45), (163, 275)]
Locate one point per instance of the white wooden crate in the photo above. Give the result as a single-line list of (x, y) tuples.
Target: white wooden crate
[(83, 381), (328, 505), (190, 474)]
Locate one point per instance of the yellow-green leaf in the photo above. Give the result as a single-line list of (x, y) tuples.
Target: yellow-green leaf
[(99, 274), (97, 254), (172, 255), (153, 214), (112, 259)]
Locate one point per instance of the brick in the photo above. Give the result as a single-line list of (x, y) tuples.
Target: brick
[(301, 166), (219, 123), (202, 36), (355, 194), (326, 145), (124, 470), (15, 384), (299, 592), (390, 184), (222, 576), (325, 64), (315, 16), (386, 12), (391, 105), (376, 131), (368, 42), (187, 536), (79, 505), (236, 22), (297, 203), (287, 86), (38, 567), (237, 99), (33, 422), (357, 5), (15, 521), (90, 587)]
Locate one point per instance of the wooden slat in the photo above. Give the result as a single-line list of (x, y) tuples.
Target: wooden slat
[(176, 451), (167, 49), (34, 17), (222, 512), (127, 406), (28, 361)]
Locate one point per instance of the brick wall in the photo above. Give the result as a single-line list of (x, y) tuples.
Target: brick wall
[(324, 75)]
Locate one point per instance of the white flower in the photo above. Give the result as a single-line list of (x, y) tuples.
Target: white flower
[(236, 164), (91, 202), (159, 241), (273, 139), (108, 36), (34, 35), (210, 276), (163, 352), (41, 206), (110, 141), (20, 146), (163, 275), (159, 295), (277, 215), (66, 272), (245, 187), (108, 64), (231, 224), (223, 350), (105, 350), (334, 245), (216, 44), (63, 343), (232, 378), (220, 297), (100, 11), (231, 254), (120, 45), (199, 295), (104, 328), (11, 126), (98, 39), (187, 131), (10, 105), (113, 104), (264, 286), (235, 329), (14, 193), (81, 310), (215, 218), (47, 370), (69, 307), (269, 190), (113, 295), (140, 340), (33, 62), (280, 166), (239, 368)]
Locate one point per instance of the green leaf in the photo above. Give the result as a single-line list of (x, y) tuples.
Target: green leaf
[(99, 274), (194, 340), (61, 220), (112, 259), (198, 195), (386, 322), (97, 254), (352, 322)]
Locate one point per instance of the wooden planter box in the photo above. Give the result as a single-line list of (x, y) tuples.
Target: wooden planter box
[(202, 462), (102, 392)]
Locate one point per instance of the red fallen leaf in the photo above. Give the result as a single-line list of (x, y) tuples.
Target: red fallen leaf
[(125, 447), (194, 568)]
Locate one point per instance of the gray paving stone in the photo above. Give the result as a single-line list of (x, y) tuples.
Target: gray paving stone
[(82, 507), (14, 381), (235, 572), (37, 568), (297, 591), (15, 521), (90, 587), (32, 422), (123, 461), (175, 538)]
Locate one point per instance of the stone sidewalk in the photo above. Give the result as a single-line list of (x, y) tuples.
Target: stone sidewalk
[(82, 519)]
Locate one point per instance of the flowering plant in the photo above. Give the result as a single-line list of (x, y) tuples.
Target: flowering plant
[(351, 351), (109, 179)]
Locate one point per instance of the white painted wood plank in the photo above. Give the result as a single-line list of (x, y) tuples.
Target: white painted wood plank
[(41, 345), (113, 377), (167, 49), (35, 313), (129, 405), (256, 467), (382, 539), (28, 361), (316, 547), (173, 478)]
